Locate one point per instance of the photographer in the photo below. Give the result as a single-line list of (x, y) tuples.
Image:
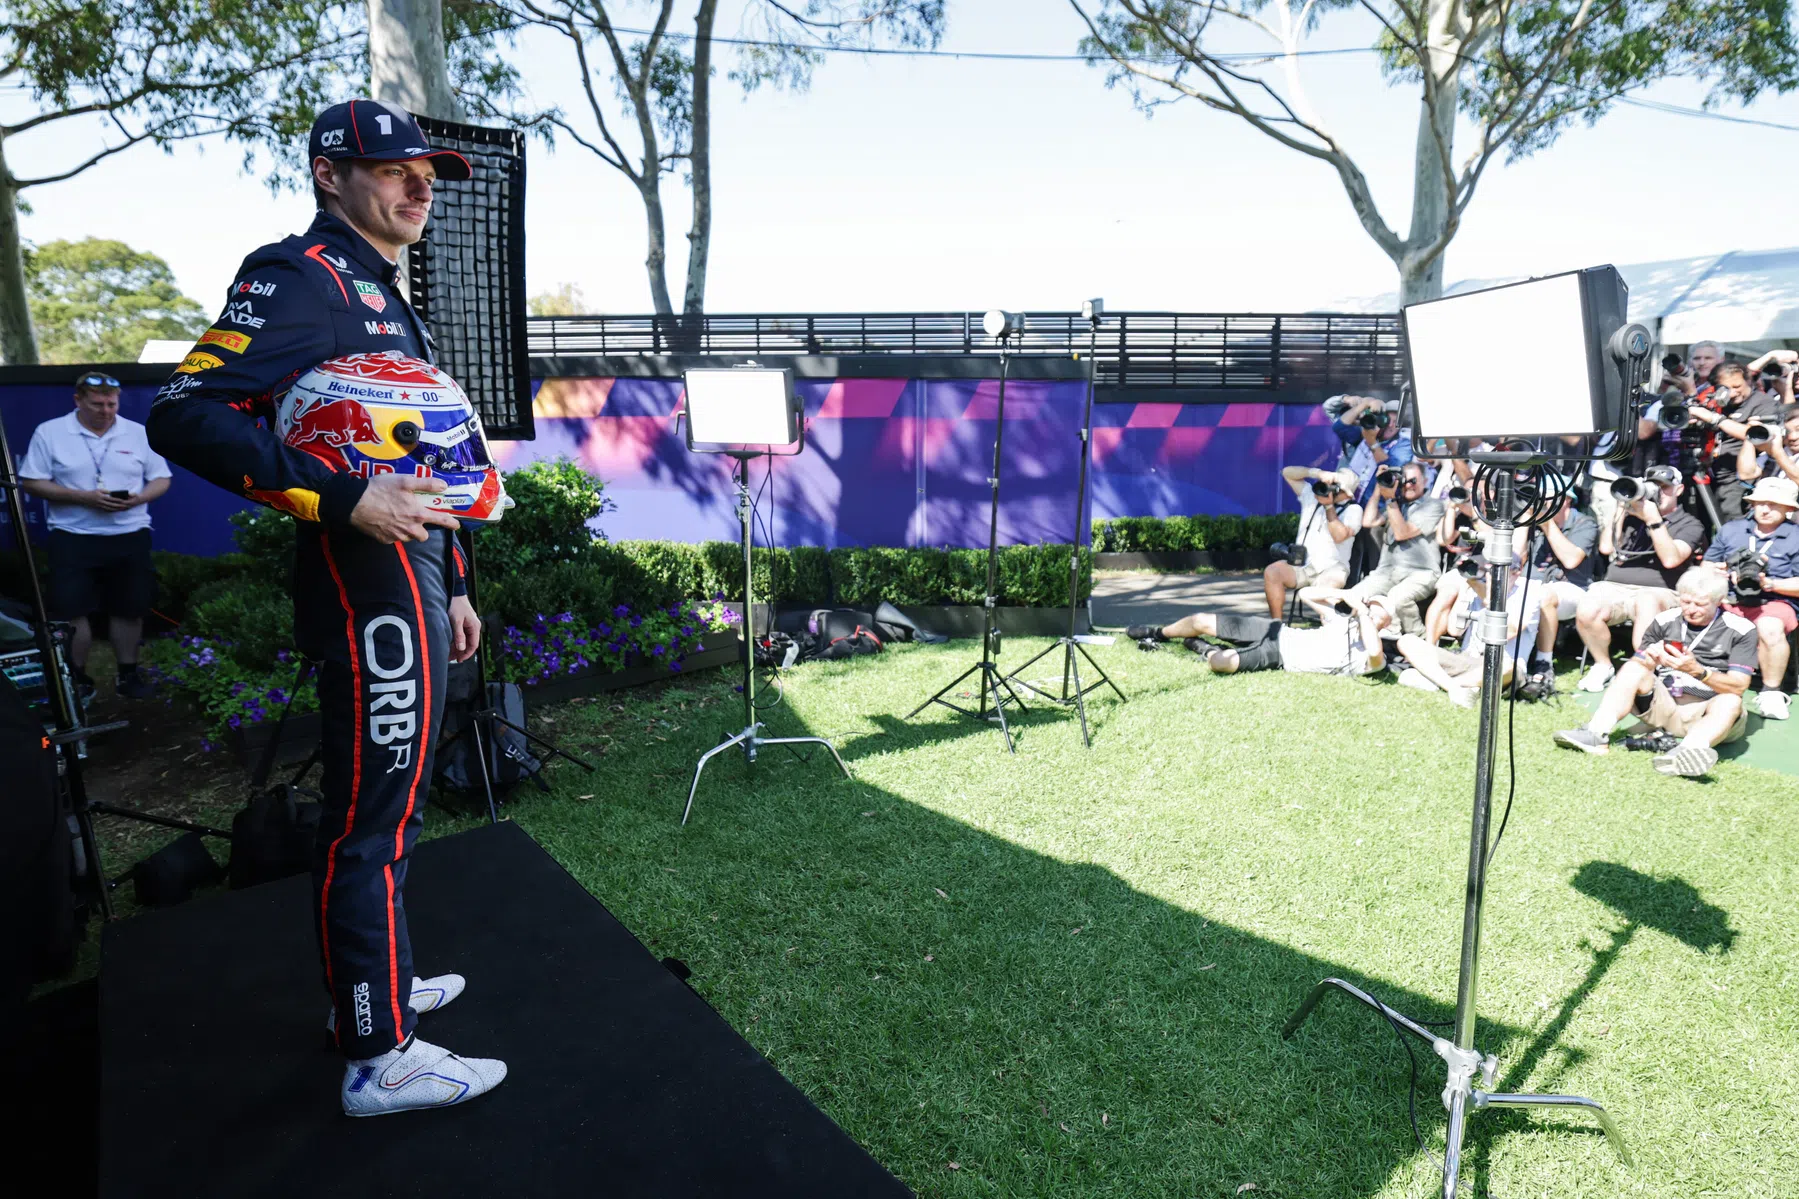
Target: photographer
[(1769, 449), (1650, 541), (1406, 520), (1693, 378), (1457, 672), (1341, 645), (1760, 555), (1328, 519), (1735, 403), (1561, 558), (1685, 683), (1372, 438)]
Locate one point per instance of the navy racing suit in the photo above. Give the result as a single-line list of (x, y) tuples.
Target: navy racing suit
[(376, 616)]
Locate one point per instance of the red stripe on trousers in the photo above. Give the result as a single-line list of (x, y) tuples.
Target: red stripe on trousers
[(355, 773), (418, 769)]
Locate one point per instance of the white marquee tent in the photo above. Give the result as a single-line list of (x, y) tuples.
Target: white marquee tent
[(1744, 298)]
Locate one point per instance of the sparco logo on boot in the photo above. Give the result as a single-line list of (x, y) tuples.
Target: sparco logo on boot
[(365, 1020), (393, 704)]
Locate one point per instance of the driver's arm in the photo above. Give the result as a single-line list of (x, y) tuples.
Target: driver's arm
[(215, 413)]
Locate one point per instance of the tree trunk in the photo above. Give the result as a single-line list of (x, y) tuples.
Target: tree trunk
[(1433, 192), (656, 262), (18, 340), (406, 58), (699, 237)]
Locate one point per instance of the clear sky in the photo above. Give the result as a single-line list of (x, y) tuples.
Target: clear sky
[(944, 184)]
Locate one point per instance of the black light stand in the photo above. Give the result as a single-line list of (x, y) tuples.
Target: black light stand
[(1001, 326), (485, 716), (71, 729), (751, 738), (1073, 692), (1460, 1094)]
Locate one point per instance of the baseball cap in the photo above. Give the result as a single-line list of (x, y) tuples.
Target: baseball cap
[(1667, 476), (381, 131)]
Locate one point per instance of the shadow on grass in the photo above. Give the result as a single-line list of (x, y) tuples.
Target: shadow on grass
[(1671, 906), (949, 996)]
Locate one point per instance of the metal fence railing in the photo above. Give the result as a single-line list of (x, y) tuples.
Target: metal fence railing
[(1153, 350)]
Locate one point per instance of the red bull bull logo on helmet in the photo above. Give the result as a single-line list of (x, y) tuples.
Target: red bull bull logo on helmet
[(329, 420)]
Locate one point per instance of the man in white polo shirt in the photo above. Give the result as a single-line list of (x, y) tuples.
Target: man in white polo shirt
[(96, 471)]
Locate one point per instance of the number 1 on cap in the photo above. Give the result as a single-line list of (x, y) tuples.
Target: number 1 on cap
[(387, 125)]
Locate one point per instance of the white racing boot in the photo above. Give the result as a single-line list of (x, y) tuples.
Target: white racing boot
[(416, 1075), (428, 994)]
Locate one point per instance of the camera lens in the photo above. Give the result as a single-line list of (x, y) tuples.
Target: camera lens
[(1458, 495), (1759, 433)]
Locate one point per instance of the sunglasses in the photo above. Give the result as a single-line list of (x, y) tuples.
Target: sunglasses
[(97, 380)]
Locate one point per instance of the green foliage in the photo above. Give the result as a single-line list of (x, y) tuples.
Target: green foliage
[(228, 692), (562, 644), (180, 576), (554, 503), (1177, 534), (99, 301)]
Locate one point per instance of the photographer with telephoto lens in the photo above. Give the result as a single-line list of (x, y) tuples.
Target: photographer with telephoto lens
[(1650, 540), (1328, 520), (1372, 438), (1736, 404), (1685, 684), (1770, 449), (1406, 520), (1760, 556)]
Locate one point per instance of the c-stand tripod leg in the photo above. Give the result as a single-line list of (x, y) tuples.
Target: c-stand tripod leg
[(1483, 1099), (1104, 677), (1071, 666), (474, 728), (748, 734), (550, 747), (938, 698), (790, 742)]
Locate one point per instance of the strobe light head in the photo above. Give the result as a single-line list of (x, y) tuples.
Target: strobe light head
[(1092, 310), (1000, 324)]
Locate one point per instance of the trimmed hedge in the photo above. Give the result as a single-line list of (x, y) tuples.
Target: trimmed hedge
[(1153, 534)]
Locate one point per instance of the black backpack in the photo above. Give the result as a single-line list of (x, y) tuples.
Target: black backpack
[(839, 633), (273, 836)]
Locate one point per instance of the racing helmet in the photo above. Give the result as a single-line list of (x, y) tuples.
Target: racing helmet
[(380, 413)]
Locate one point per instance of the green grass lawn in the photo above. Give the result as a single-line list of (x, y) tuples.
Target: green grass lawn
[(1064, 973)]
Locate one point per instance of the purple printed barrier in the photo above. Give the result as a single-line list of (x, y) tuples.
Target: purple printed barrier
[(899, 462), (904, 461)]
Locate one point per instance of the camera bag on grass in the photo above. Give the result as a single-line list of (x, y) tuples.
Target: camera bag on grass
[(838, 633), (509, 757)]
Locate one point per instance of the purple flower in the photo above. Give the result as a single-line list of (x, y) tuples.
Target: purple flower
[(238, 688), (675, 665), (605, 630), (636, 621), (621, 611), (657, 651), (686, 630), (235, 722)]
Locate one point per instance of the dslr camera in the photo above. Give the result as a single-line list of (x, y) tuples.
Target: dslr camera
[(1280, 551), (1389, 476), (1649, 488), (1374, 418), (1759, 433), (1458, 494), (1747, 572), (1324, 489)]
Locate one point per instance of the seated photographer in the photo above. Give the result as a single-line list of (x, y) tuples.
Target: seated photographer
[(1561, 560), (1372, 438), (1650, 541), (1457, 672), (1328, 519), (1406, 521), (1760, 555), (1345, 645), (1685, 684), (1770, 450)]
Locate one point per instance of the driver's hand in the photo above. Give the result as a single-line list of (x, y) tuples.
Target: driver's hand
[(393, 508)]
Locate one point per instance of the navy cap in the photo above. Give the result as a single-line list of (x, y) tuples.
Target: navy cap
[(381, 131)]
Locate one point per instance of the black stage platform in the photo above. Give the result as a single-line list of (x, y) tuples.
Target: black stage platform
[(623, 1082)]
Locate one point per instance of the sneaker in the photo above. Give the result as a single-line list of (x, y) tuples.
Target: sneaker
[(1585, 740), (1687, 761), (428, 994), (1461, 697), (1597, 676), (1140, 632), (1773, 704), (1657, 742), (135, 686), (416, 1075)]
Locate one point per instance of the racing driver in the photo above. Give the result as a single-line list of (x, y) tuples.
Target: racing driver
[(379, 596)]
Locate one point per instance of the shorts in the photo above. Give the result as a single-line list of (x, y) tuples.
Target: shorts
[(1308, 574), (1463, 669), (1408, 589), (1257, 639), (1780, 609), (1567, 597), (1678, 716), (1618, 601), (97, 572)]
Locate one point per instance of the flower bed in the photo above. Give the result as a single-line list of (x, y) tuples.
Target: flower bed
[(564, 644)]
